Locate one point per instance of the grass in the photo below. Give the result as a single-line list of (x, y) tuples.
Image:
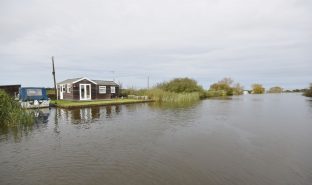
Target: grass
[(11, 113), (73, 104), (160, 95)]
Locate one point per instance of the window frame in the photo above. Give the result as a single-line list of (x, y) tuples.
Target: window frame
[(102, 89), (113, 87), (68, 88)]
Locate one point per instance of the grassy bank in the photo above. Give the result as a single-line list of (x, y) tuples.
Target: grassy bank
[(11, 113), (73, 104)]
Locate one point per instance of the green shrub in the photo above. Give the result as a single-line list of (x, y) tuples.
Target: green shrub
[(181, 85)]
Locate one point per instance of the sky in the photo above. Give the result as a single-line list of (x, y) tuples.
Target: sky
[(255, 41)]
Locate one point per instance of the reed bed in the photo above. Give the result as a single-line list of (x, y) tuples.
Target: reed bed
[(160, 95), (11, 113)]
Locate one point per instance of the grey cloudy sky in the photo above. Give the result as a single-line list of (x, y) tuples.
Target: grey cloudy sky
[(263, 41)]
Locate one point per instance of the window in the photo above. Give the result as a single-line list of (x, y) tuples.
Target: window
[(113, 89), (68, 88), (102, 89), (63, 88), (34, 92)]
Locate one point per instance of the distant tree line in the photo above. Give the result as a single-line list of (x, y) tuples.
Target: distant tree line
[(189, 89)]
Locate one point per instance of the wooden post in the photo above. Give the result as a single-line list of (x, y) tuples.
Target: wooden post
[(148, 82), (53, 73)]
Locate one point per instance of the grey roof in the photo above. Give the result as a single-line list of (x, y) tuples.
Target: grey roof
[(69, 81), (98, 82), (103, 82)]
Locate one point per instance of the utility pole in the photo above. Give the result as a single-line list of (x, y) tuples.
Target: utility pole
[(113, 75), (147, 82), (53, 73)]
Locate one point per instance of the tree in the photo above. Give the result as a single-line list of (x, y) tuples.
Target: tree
[(223, 87), (227, 81), (275, 89), (238, 89), (257, 89)]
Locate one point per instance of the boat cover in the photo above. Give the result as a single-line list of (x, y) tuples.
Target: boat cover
[(32, 93)]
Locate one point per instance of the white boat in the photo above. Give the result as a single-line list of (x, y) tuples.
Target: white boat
[(33, 97)]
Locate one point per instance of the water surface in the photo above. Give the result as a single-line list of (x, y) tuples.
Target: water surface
[(252, 140)]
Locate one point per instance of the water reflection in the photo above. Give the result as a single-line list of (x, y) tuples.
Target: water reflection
[(88, 115), (309, 101), (164, 105), (17, 132), (41, 115)]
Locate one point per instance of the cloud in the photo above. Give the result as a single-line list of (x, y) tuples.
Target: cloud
[(259, 40)]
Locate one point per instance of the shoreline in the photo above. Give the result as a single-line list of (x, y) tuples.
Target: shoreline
[(84, 104)]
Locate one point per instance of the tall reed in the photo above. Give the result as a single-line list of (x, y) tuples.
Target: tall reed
[(160, 95), (11, 113)]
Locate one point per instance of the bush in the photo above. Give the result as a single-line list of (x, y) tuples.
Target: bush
[(181, 85)]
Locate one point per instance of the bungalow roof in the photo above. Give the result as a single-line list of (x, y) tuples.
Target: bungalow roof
[(98, 82)]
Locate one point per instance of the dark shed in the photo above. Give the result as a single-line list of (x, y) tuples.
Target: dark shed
[(12, 90)]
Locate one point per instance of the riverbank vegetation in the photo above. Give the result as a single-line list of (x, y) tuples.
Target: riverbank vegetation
[(160, 95), (181, 90), (177, 90), (275, 89), (225, 87), (257, 89), (308, 92), (11, 113)]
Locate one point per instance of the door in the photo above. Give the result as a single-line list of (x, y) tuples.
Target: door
[(85, 91), (61, 91)]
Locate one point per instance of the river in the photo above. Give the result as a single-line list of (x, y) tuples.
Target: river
[(245, 140)]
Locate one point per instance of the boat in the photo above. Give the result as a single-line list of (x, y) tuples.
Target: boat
[(33, 97)]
